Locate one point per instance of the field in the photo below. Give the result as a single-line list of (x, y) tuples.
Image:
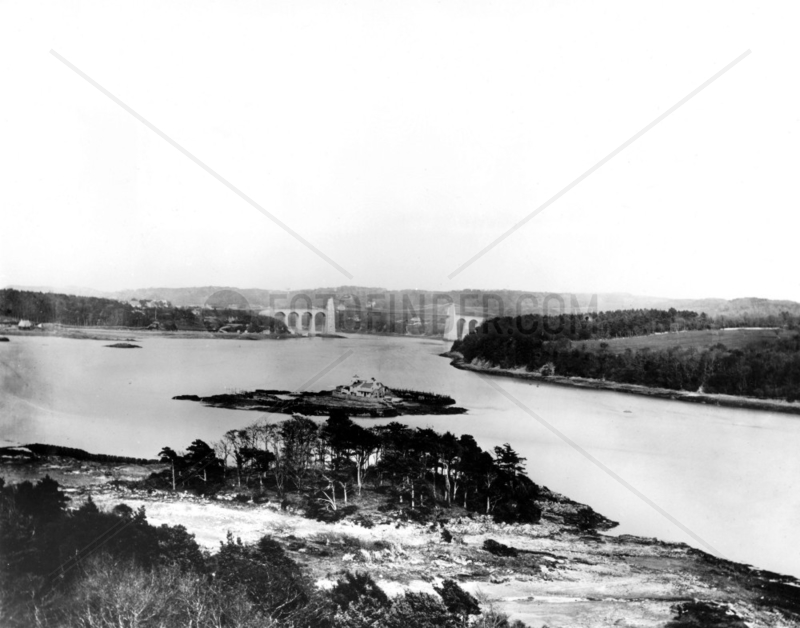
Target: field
[(731, 338)]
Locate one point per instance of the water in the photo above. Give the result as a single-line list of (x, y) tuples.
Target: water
[(729, 476)]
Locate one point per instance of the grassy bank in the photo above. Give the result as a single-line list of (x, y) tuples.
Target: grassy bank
[(729, 401), (697, 339)]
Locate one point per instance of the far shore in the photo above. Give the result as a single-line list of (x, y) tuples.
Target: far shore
[(730, 401), (125, 334), (90, 332)]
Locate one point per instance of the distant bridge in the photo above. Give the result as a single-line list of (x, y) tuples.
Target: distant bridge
[(313, 320), (459, 325)]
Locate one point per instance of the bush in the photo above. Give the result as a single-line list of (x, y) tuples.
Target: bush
[(496, 619), (365, 521), (364, 612), (704, 615), (457, 601), (353, 587), (419, 610), (498, 549), (271, 580), (112, 593), (587, 520)]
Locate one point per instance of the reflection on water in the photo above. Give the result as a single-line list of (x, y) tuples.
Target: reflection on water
[(728, 475)]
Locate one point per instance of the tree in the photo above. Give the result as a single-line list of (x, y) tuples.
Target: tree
[(449, 454), (299, 434), (203, 460), (168, 455), (237, 441), (509, 461), (348, 439)]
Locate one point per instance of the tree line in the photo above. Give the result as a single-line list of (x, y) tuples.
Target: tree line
[(66, 309), (767, 370), (326, 465), (621, 324)]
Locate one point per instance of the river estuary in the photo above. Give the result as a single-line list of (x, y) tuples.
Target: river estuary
[(730, 476)]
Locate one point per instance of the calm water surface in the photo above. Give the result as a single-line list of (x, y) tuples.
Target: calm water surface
[(730, 476)]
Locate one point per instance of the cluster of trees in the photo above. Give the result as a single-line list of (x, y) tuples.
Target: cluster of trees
[(92, 569), (602, 325), (327, 464), (769, 370), (65, 309), (41, 307), (613, 324)]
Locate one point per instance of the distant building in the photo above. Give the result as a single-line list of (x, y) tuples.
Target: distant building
[(361, 388)]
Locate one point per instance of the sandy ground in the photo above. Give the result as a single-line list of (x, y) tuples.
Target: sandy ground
[(560, 578)]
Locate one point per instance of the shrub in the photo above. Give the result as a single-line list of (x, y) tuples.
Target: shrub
[(587, 519), (364, 612), (704, 615), (271, 580), (353, 587), (421, 611), (495, 619), (112, 593), (498, 549), (364, 521), (457, 601)]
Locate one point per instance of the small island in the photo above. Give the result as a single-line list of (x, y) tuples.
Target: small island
[(361, 398), (123, 345)]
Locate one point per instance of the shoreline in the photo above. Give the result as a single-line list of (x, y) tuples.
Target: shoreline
[(124, 334), (550, 573), (728, 401), (77, 332), (323, 403)]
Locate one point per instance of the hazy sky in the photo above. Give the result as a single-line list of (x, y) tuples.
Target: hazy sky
[(400, 138)]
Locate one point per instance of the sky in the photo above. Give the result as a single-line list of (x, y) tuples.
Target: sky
[(399, 140)]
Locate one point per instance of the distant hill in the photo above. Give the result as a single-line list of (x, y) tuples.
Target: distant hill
[(471, 299)]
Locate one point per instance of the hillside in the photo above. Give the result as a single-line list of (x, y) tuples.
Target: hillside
[(472, 299)]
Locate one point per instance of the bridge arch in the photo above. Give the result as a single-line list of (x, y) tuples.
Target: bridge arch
[(320, 322), (459, 325)]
